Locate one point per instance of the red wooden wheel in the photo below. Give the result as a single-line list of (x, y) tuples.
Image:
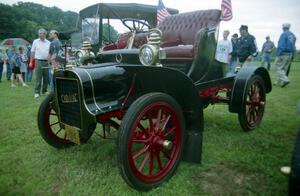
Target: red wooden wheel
[(150, 141), (49, 127), (254, 104), (51, 123)]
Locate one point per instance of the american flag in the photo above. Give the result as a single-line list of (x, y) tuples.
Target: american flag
[(162, 12), (226, 10)]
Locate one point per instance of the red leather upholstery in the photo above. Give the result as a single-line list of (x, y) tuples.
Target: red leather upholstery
[(139, 40), (184, 51), (112, 46), (182, 29), (122, 41)]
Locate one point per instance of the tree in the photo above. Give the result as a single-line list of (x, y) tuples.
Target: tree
[(24, 19)]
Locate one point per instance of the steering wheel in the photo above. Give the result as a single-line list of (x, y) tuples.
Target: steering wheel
[(136, 25)]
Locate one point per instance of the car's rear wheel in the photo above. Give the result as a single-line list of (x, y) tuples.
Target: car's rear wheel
[(294, 180), (254, 104), (49, 127), (150, 141)]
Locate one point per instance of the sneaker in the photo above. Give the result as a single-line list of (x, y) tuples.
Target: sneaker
[(13, 85), (286, 170), (36, 95), (284, 84), (24, 84)]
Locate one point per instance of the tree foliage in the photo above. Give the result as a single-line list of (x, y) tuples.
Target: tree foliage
[(24, 19)]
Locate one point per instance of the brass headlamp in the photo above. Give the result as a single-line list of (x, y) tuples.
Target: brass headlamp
[(149, 53)]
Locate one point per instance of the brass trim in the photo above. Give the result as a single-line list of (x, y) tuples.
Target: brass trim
[(81, 86), (93, 91)]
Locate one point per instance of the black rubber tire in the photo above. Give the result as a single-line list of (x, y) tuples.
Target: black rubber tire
[(124, 133), (43, 129), (294, 179), (242, 115)]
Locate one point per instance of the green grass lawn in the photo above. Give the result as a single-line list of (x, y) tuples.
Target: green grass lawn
[(234, 162)]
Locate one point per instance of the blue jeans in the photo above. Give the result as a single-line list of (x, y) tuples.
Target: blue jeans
[(9, 70), (266, 58), (50, 76), (1, 70), (29, 75), (232, 65)]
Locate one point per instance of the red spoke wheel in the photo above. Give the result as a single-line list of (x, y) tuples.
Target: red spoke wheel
[(254, 104), (48, 124), (150, 141)]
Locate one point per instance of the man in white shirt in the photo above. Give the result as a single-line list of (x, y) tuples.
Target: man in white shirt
[(39, 53), (224, 49)]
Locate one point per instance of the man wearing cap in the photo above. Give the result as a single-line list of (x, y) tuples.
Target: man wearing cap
[(55, 47), (285, 50), (267, 50), (39, 53), (246, 47)]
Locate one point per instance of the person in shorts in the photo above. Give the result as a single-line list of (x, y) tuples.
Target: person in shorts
[(16, 70), (24, 63)]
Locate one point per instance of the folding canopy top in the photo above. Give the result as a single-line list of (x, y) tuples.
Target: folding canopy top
[(123, 10)]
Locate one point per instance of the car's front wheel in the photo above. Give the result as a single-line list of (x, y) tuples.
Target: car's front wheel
[(49, 126), (150, 141)]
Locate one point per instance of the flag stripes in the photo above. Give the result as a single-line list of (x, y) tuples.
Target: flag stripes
[(162, 12), (226, 10)]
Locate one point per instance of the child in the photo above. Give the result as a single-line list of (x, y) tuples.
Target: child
[(24, 65), (17, 63)]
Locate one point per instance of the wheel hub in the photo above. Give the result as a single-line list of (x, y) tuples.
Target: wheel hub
[(157, 143)]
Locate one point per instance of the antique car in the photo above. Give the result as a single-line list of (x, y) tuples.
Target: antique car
[(99, 21), (154, 96)]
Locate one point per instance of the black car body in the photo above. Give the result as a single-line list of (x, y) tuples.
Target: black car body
[(158, 92)]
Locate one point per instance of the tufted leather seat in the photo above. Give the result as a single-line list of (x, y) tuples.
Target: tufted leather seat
[(139, 40), (180, 32)]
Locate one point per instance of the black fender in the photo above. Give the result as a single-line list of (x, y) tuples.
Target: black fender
[(111, 87), (240, 83), (183, 90)]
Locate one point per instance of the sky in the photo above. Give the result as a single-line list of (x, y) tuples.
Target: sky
[(263, 17)]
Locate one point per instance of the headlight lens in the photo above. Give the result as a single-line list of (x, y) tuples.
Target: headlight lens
[(148, 55), (79, 54), (78, 57)]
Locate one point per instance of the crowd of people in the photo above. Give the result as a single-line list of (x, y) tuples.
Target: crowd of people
[(240, 51), (16, 61), (41, 58)]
